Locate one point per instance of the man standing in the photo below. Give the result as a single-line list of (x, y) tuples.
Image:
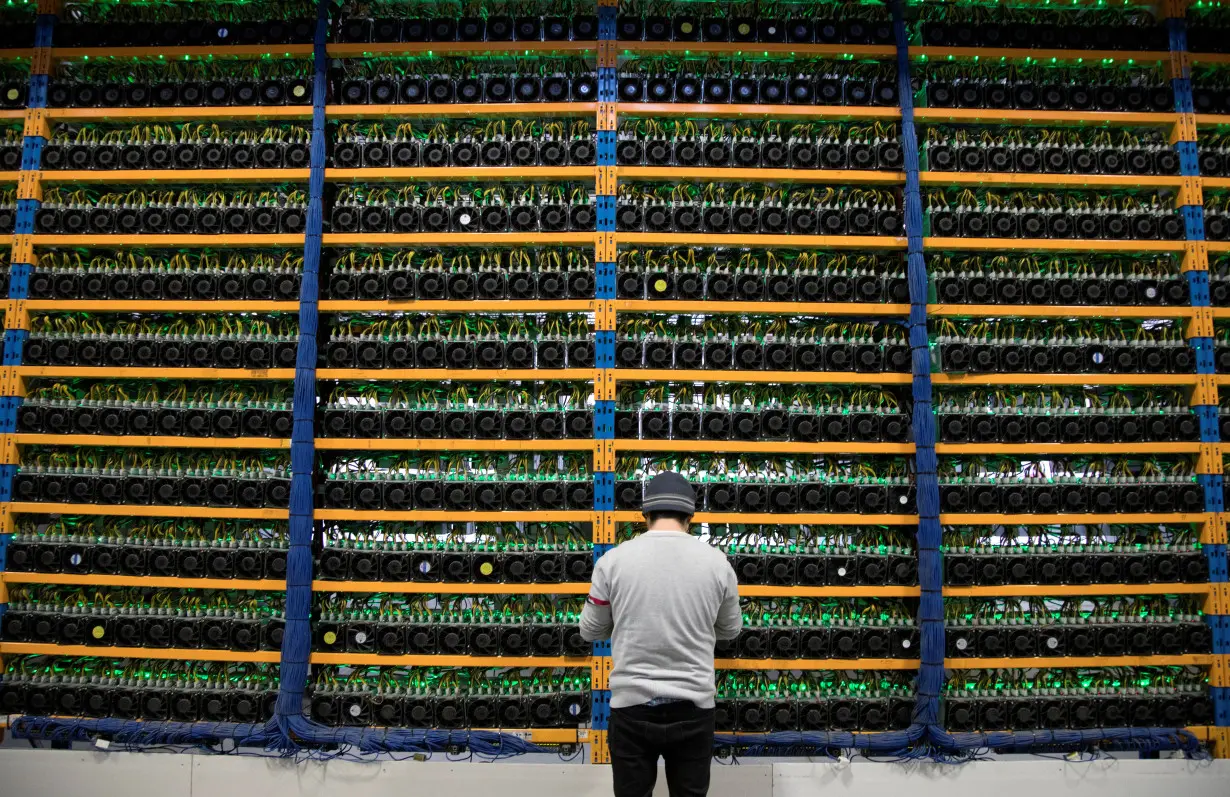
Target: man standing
[(663, 599)]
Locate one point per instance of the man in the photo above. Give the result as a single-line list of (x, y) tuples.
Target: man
[(663, 599)]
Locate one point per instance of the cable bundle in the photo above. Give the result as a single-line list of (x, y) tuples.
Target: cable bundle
[(1089, 626), (1068, 486), (204, 410), (780, 276), (10, 149), (127, 689), (542, 142), (1114, 554), (759, 412), (768, 344), (1049, 151), (463, 208), (778, 484), (1058, 699), (1049, 88), (142, 617), (459, 482), (8, 211), (658, 80), (163, 341), (550, 411), (442, 81), (1065, 416), (169, 211), (470, 22), (1064, 347), (1217, 217), (802, 146), (967, 213), (952, 24), (456, 553), (178, 146), (450, 698), (719, 208), (456, 625), (185, 548), (477, 341), (1090, 279), (199, 275), (108, 476), (522, 273), (108, 84)]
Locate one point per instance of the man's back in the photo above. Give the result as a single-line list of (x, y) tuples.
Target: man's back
[(670, 596)]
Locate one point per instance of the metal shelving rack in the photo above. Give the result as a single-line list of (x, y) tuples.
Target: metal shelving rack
[(296, 656)]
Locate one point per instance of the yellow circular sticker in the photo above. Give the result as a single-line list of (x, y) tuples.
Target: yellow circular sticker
[(330, 637), (659, 286), (744, 29), (486, 568), (98, 631), (685, 27)]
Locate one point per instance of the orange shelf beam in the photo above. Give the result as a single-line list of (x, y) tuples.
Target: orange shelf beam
[(158, 306), (828, 176), (795, 518), (1193, 660), (816, 664), (471, 173), (87, 372), (142, 510), (143, 441), (164, 654), (159, 582), (446, 306), (1062, 590), (706, 111), (1065, 449), (1055, 311), (450, 661), (170, 241), (179, 113), (444, 516), (453, 238), (438, 588), (9, 177), (776, 241), (763, 447), (425, 444), (459, 110), (976, 519), (176, 176), (758, 377), (463, 374), (760, 308)]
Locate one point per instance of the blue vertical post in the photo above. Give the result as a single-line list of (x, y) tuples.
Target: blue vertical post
[(930, 579), (297, 642), (604, 340)]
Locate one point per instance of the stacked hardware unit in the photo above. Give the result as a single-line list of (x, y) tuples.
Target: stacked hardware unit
[(924, 298)]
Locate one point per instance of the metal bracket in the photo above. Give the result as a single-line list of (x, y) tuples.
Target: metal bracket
[(1200, 324), (604, 528), (604, 247), (606, 116)]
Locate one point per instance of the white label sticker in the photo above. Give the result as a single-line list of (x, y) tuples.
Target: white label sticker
[(360, 637), (962, 644)]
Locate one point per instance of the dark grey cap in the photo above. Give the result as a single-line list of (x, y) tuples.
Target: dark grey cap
[(669, 492)]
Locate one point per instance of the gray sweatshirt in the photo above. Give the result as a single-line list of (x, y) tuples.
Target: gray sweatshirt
[(663, 599)]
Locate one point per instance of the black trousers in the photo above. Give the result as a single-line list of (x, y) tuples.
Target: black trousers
[(680, 733)]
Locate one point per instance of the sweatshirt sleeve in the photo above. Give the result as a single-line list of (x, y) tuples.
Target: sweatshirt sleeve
[(596, 621), (730, 616)]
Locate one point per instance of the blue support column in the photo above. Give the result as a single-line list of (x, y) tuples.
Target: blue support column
[(931, 604)]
